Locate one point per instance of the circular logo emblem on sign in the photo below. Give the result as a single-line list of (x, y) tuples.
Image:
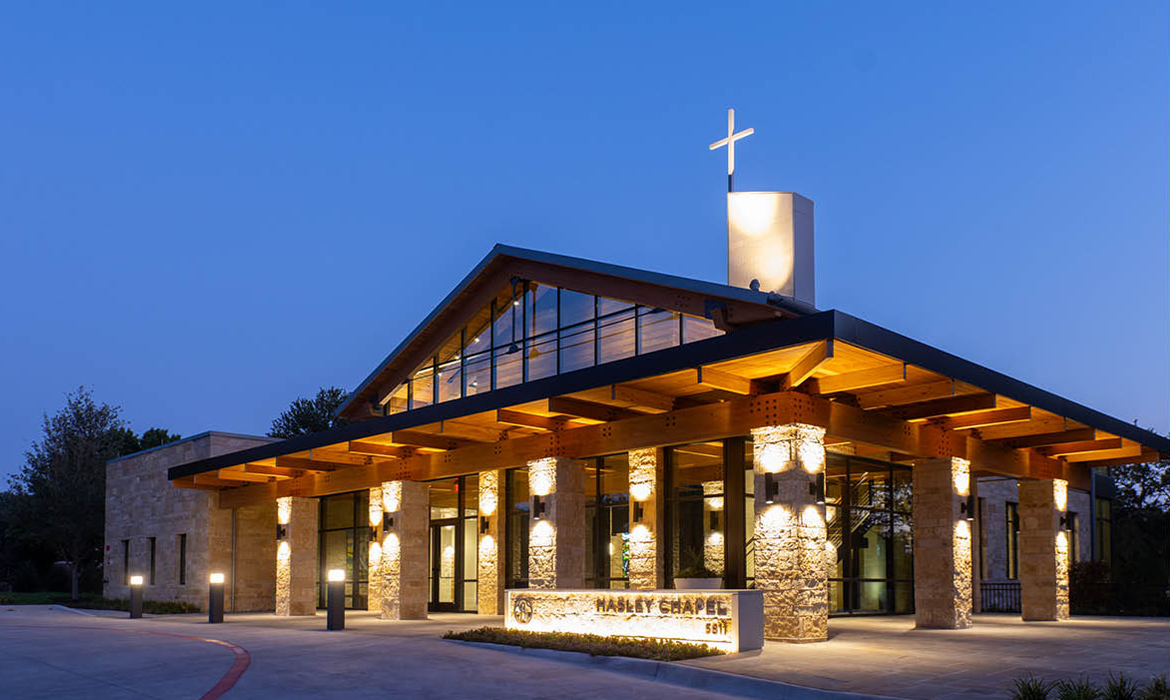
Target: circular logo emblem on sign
[(522, 610)]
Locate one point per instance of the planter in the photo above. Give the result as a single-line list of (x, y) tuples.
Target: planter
[(697, 583)]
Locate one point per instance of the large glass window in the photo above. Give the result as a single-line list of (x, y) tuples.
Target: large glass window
[(607, 517), (344, 534), (868, 513), (1013, 538), (530, 331), (453, 555), (517, 503), (696, 516), (1104, 524)]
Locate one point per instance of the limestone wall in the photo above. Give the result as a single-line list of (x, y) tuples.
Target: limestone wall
[(141, 503), (996, 492)]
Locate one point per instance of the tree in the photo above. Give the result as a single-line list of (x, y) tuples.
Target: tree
[(61, 488), (304, 416), (156, 437)]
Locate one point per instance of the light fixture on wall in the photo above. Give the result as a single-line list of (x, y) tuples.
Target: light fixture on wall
[(639, 511), (714, 521), (1067, 522), (967, 507), (483, 525), (816, 489), (537, 507), (387, 522), (281, 532), (771, 488)]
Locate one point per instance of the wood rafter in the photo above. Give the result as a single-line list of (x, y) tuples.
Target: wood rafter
[(418, 438), (907, 394), (806, 365), (724, 381), (697, 424), (1043, 439), (315, 465), (861, 379), (272, 471), (374, 449), (1071, 448), (982, 419), (529, 420), (587, 409), (1126, 451), (942, 407), (631, 396)]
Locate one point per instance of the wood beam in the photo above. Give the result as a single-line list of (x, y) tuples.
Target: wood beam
[(1129, 451), (942, 407), (724, 381), (237, 475), (431, 440), (528, 420), (1146, 456), (374, 449), (982, 419), (1043, 439), (1071, 448), (640, 397), (588, 409), (861, 379), (806, 365), (209, 480), (312, 464), (697, 424), (467, 431), (907, 394), (188, 482), (272, 471)]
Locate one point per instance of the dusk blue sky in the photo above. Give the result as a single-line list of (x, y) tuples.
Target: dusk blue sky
[(206, 213)]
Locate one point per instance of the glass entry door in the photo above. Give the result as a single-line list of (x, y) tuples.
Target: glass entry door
[(442, 595)]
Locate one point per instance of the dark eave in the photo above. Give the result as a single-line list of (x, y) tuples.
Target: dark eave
[(743, 342)]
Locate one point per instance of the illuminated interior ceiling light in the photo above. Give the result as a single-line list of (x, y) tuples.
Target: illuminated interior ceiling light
[(771, 488), (135, 580), (215, 578), (967, 507), (337, 574)]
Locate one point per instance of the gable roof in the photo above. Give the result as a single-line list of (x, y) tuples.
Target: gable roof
[(504, 262)]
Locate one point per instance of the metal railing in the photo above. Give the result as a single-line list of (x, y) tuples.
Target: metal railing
[(1000, 597)]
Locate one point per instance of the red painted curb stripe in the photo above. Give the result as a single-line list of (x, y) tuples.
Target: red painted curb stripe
[(243, 658)]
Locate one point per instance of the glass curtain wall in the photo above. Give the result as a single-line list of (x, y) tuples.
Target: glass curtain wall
[(344, 534), (530, 331), (696, 518), (607, 519), (868, 511)]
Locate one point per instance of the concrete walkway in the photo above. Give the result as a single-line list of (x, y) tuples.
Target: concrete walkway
[(887, 656), (54, 653)]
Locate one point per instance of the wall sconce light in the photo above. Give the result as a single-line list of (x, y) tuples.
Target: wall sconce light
[(1067, 522), (816, 489), (483, 525), (967, 507), (537, 507), (771, 488), (639, 511), (714, 520), (387, 522), (281, 532), (373, 533)]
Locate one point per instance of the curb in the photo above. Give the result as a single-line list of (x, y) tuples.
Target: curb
[(685, 675)]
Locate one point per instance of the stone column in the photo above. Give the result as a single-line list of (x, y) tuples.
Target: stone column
[(374, 564), (296, 557), (405, 563), (790, 532), (491, 576), (556, 540), (976, 551), (942, 544), (647, 564), (1043, 550)]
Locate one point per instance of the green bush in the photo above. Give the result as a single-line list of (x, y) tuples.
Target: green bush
[(1120, 688), (1032, 688), (592, 644), (7, 600), (1157, 689), (95, 602), (1077, 690)]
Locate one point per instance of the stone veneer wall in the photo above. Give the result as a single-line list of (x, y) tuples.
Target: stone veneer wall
[(790, 533), (296, 557), (141, 503), (405, 565), (647, 563), (556, 542), (1043, 550), (489, 559), (942, 544)]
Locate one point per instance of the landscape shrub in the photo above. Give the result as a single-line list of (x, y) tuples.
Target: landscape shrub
[(592, 644), (1116, 688)]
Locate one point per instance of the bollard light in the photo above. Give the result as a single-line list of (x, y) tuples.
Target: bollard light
[(135, 597), (215, 598), (335, 603)]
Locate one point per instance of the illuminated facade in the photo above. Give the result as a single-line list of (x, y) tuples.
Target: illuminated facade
[(558, 423)]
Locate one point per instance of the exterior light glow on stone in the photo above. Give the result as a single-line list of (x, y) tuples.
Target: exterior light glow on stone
[(375, 507), (392, 496), (375, 554), (542, 534), (542, 476), (1060, 494), (488, 492), (283, 552), (215, 578), (962, 476), (284, 510), (646, 560)]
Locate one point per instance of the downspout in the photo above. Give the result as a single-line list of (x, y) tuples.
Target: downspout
[(1092, 514), (233, 560)]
